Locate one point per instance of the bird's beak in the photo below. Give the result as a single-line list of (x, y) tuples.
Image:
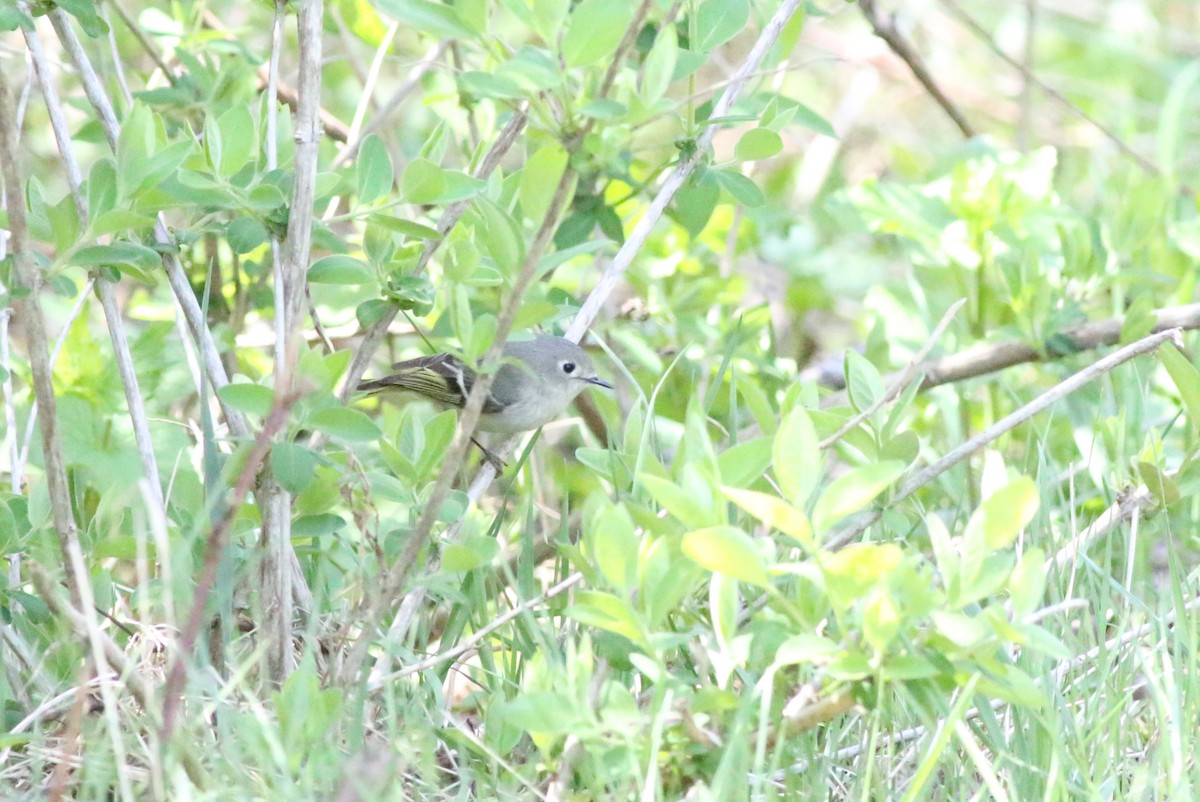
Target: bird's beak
[(599, 382)]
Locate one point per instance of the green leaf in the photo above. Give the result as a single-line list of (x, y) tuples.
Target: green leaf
[(433, 18), (964, 631), (117, 254), (10, 20), (473, 14), (675, 500), (422, 182), (533, 70), (694, 203), (546, 713), (595, 30), (293, 465), (501, 237), (238, 140), (338, 268), (371, 312), (85, 12), (851, 573), (345, 424), (613, 546), (659, 66), (745, 463), (851, 492), (774, 513), (606, 611), (604, 109), (863, 382), (728, 551), (488, 85), (805, 648), (718, 21), (1002, 516), (469, 553), (1027, 583), (810, 119), (758, 143), (539, 179), (547, 18), (245, 234), (101, 187), (881, 620), (743, 190), (1186, 378), (406, 227), (796, 456), (1161, 486), (373, 172), (253, 399), (135, 144)]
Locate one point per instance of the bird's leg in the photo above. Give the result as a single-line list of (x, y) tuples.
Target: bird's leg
[(492, 459)]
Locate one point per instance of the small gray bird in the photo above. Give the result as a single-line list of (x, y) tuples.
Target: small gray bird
[(536, 382)]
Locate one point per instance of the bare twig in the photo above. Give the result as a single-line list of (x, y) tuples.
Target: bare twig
[(1126, 505), (886, 30), (25, 276), (147, 45), (901, 381), (105, 288), (990, 358), (1004, 425), (214, 547), (467, 644), (31, 422), (631, 35), (411, 81)]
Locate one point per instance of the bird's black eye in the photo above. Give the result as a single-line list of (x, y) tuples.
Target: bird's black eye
[(568, 368)]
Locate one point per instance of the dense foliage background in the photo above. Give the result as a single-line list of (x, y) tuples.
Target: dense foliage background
[(896, 495)]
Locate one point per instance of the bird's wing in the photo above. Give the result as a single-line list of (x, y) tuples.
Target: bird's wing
[(442, 377)]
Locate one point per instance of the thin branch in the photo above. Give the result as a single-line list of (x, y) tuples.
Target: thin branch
[(1128, 503), (275, 501), (146, 44), (889, 33), (31, 422), (984, 359), (1003, 426), (411, 82), (901, 381), (25, 276), (218, 538), (105, 288), (467, 644), (627, 42)]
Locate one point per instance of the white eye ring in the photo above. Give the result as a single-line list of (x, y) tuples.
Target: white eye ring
[(568, 368)]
